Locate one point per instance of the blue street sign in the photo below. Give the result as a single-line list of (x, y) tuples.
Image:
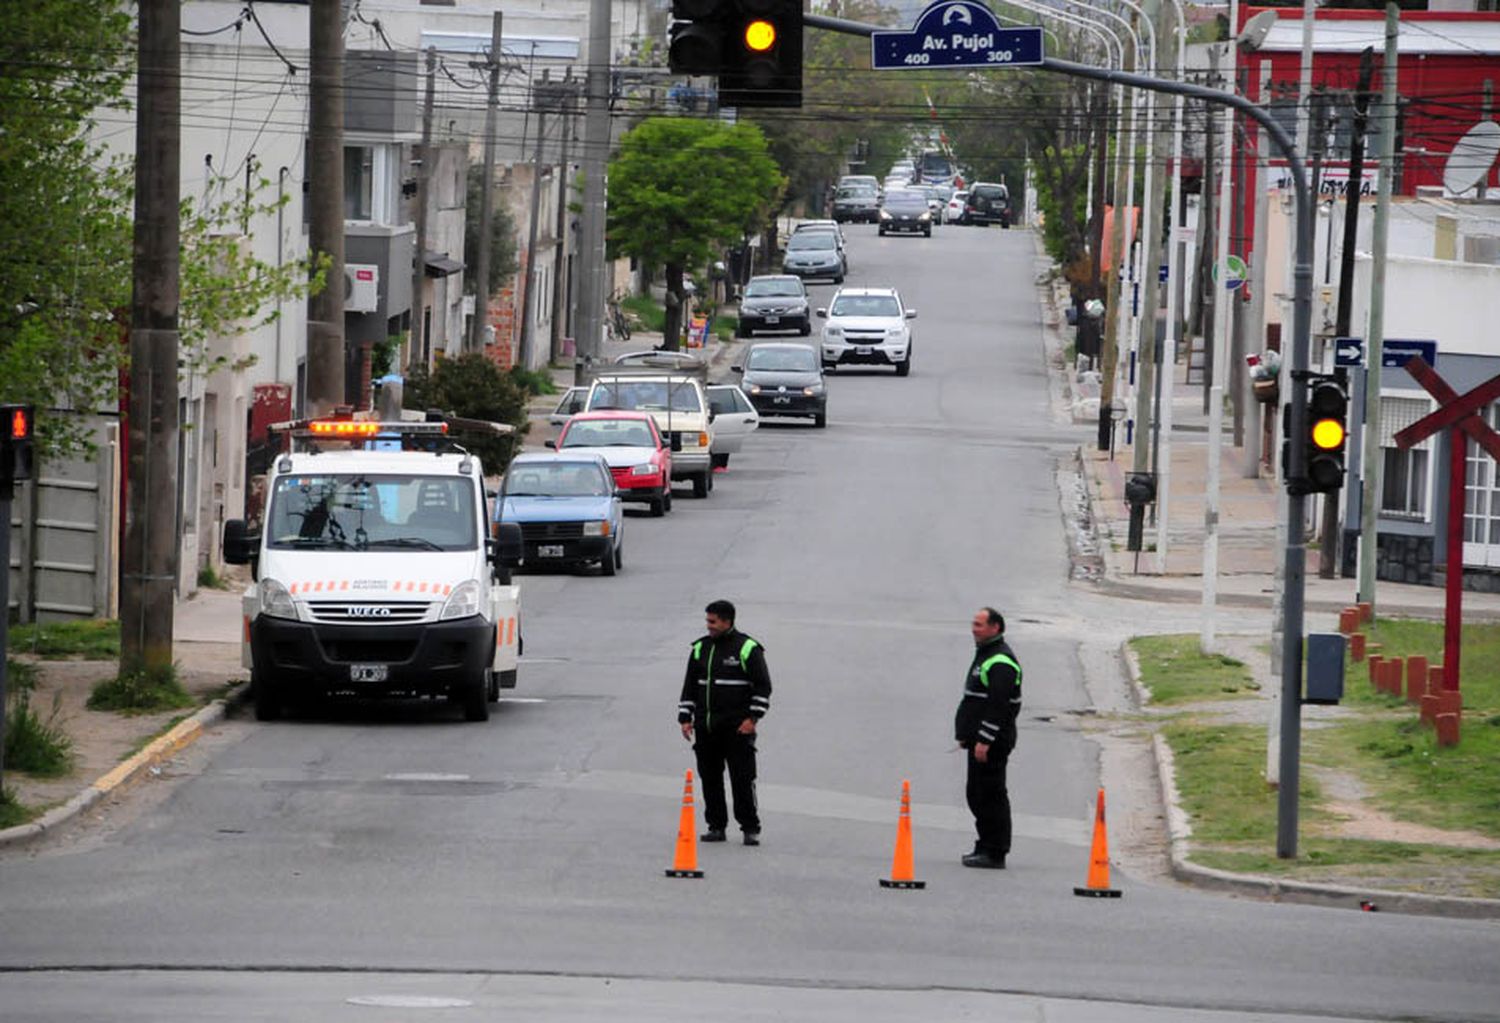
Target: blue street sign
[(1161, 274), (1394, 352), (956, 33), (1348, 352)]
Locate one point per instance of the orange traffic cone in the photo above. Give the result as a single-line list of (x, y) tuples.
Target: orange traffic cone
[(901, 863), (1098, 884), (685, 863)]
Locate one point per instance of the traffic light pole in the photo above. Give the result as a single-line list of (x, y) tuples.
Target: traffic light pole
[(1295, 554)]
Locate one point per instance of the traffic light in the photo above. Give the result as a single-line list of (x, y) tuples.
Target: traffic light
[(753, 46), (17, 424), (1327, 415)]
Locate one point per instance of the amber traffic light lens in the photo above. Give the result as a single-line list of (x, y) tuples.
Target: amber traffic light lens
[(1328, 434), (760, 35)]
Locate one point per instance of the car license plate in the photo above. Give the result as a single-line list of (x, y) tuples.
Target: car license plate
[(773, 319), (863, 350), (782, 400), (368, 672), (550, 550)]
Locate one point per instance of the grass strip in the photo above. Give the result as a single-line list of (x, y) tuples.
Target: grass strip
[(88, 639), (1174, 671)]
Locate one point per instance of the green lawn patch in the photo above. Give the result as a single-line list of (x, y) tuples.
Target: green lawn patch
[(1221, 781), (140, 692), (88, 639), (1444, 870), (647, 310), (1173, 670), (12, 811)]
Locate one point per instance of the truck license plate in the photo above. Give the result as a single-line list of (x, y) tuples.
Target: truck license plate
[(550, 550), (862, 350), (368, 672)]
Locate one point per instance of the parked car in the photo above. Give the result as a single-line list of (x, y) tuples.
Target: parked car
[(828, 226), (935, 203), (675, 399), (813, 225), (906, 210), (630, 443), (567, 509), (734, 420), (860, 179), (569, 405), (988, 203), (784, 378), (774, 302), (954, 214), (858, 203), (867, 326), (814, 254)]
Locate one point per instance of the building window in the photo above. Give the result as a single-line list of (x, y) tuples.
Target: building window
[(1406, 479), (359, 182)]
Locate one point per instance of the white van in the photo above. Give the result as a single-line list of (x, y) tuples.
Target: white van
[(374, 571)]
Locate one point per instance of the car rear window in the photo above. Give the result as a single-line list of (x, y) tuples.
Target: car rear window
[(988, 192)]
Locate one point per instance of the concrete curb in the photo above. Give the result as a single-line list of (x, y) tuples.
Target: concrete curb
[(1179, 848), (179, 737)]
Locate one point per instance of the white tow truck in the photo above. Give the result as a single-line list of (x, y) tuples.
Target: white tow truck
[(374, 571)]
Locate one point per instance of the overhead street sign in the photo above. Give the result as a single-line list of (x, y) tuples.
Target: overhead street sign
[(956, 33), (1348, 352), (1395, 353)]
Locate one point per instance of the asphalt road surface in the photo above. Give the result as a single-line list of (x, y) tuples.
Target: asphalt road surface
[(391, 862)]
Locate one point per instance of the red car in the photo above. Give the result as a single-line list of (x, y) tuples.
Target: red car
[(639, 460)]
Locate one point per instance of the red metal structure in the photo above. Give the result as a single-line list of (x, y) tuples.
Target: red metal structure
[(1462, 416)]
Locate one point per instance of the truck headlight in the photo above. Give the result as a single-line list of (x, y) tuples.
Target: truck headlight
[(275, 601), (463, 602), (596, 528)]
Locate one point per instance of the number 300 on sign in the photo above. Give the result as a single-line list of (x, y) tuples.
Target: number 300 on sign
[(999, 56)]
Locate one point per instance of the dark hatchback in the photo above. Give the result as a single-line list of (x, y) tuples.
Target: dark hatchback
[(906, 211), (774, 302), (987, 204), (785, 379)]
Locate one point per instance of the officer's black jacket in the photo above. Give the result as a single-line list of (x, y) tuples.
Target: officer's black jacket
[(992, 697), (726, 682)]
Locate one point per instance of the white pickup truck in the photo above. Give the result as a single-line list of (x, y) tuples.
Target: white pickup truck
[(375, 572)]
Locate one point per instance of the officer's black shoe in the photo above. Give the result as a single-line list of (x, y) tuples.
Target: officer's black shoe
[(984, 861), (752, 838), (712, 835)]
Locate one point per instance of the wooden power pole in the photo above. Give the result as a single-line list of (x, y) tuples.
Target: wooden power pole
[(325, 204), (148, 554)]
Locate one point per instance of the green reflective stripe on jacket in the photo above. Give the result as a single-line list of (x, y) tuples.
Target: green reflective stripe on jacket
[(984, 669), (697, 650), (746, 649)]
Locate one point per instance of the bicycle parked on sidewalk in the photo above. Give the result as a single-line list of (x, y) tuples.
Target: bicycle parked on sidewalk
[(616, 321)]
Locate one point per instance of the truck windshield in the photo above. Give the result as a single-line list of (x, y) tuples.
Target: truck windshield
[(360, 512), (646, 395)]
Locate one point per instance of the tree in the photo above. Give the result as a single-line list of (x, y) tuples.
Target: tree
[(503, 255), (65, 209), (473, 387), (678, 187)]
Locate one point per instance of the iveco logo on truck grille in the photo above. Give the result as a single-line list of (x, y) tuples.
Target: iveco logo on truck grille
[(368, 611)]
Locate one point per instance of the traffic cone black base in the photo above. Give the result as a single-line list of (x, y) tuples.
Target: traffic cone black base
[(691, 873), (1098, 893), (885, 883)]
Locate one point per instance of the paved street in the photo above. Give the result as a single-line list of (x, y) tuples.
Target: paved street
[(516, 866)]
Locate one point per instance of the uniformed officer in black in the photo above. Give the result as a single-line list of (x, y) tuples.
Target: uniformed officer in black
[(726, 690), (985, 727)]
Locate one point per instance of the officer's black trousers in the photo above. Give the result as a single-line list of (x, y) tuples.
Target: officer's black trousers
[(989, 802), (717, 750)]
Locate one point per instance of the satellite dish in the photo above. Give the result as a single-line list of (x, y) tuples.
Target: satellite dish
[(1469, 164)]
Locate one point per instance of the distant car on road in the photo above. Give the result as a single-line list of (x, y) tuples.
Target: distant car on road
[(632, 446), (906, 210), (987, 203), (954, 214), (567, 509), (784, 378), (867, 326), (774, 302), (814, 254), (857, 203)]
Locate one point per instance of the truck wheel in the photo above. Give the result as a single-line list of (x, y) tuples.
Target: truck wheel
[(904, 366), (475, 698), (267, 697), (666, 498), (658, 507), (701, 483)]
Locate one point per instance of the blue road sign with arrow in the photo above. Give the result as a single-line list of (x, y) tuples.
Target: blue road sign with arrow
[(956, 33), (1348, 352)]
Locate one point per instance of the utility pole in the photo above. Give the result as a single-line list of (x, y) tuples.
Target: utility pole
[(148, 554), (481, 317), (1375, 338), (592, 291), (325, 204), (1152, 256), (1109, 354), (416, 353), (1205, 295), (539, 100), (560, 253), (1256, 330), (1332, 536)]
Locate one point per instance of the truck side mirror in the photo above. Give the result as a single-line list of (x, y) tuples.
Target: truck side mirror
[(240, 545), (508, 545)]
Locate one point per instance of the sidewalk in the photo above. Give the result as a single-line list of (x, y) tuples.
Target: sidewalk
[(1248, 512)]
